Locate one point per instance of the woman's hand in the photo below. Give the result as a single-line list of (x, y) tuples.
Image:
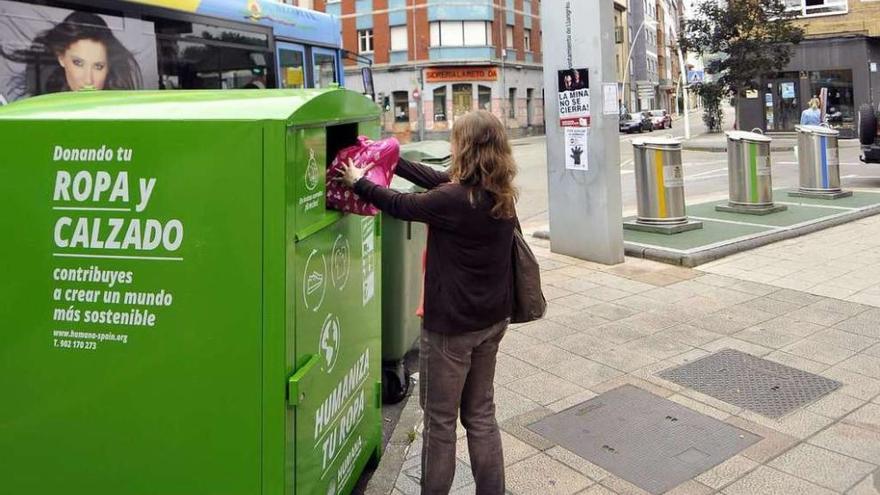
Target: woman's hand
[(350, 173)]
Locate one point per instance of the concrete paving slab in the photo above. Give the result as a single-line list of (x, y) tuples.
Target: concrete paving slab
[(852, 441), (727, 472), (541, 474), (768, 481), (819, 351)]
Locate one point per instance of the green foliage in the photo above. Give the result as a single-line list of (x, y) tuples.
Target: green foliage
[(711, 93), (747, 39)]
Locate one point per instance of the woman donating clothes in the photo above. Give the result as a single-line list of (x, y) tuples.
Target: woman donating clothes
[(468, 295)]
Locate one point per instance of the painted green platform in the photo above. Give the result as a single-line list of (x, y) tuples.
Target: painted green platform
[(725, 233)]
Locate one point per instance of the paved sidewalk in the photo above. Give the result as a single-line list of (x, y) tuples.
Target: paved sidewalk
[(841, 262), (608, 326)]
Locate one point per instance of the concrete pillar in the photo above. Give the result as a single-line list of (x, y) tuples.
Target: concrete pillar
[(585, 205)]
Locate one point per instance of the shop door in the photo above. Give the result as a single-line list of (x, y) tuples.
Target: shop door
[(782, 108), (462, 99), (529, 106)]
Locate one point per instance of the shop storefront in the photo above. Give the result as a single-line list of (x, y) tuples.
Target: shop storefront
[(837, 71), (514, 93)]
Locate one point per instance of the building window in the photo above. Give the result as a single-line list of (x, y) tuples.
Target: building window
[(399, 39), (401, 106), (306, 4), (461, 33), (475, 33), (527, 40), (365, 41), (508, 37), (511, 103), (484, 98), (440, 104), (810, 8)]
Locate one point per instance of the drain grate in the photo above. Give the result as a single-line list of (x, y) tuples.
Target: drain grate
[(652, 442), (767, 388)]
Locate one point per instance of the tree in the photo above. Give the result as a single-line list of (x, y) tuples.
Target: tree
[(711, 93), (753, 37)]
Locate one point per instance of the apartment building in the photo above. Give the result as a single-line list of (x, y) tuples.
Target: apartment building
[(644, 62), (435, 60), (669, 86), (837, 61)]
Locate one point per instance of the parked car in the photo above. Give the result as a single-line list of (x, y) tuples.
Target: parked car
[(635, 122), (660, 119)]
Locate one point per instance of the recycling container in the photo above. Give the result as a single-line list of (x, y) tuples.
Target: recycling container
[(181, 314), (659, 181), (818, 160), (403, 243), (748, 173), (435, 153)]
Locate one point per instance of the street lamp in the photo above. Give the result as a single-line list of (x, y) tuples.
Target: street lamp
[(646, 22)]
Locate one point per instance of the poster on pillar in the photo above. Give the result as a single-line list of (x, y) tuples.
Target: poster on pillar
[(574, 98), (576, 148)]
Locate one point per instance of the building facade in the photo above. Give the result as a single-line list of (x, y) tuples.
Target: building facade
[(669, 88), (837, 61), (644, 62), (435, 60), (655, 66)]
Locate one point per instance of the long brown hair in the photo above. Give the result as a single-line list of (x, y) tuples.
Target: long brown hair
[(482, 158)]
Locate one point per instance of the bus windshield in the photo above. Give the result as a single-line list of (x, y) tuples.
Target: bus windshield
[(72, 45)]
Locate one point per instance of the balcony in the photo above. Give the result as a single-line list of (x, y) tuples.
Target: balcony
[(816, 8), (667, 83)]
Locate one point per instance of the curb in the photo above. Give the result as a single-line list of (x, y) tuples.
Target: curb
[(698, 258), (385, 477)]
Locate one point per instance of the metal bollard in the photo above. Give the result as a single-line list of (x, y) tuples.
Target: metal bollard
[(749, 177), (818, 163), (660, 187)]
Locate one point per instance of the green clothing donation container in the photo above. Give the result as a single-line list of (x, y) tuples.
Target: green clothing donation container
[(180, 313)]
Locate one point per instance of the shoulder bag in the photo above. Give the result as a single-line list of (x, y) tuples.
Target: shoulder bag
[(528, 298)]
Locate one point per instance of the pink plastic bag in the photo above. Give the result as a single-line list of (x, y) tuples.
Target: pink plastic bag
[(383, 153)]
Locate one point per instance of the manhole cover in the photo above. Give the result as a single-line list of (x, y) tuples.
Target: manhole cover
[(653, 443), (767, 388)]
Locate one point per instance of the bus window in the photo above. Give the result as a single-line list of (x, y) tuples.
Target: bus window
[(291, 66), (324, 67), (201, 56), (194, 65)]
